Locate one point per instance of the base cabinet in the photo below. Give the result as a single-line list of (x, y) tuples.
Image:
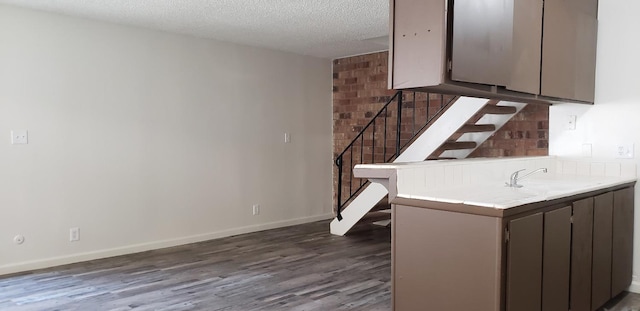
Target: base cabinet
[(539, 261), (622, 248), (556, 260), (445, 261), (581, 254), (524, 268), (602, 252), (574, 256)]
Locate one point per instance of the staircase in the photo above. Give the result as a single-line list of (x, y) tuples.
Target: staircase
[(452, 128)]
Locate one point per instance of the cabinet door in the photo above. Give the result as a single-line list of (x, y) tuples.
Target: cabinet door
[(502, 48), (481, 47), (524, 264), (602, 237), (526, 53), (569, 49), (556, 260), (418, 43), (581, 254), (622, 252)]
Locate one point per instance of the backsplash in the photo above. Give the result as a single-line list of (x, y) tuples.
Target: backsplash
[(603, 168), (444, 174)]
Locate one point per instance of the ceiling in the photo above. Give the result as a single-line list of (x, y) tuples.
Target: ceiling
[(321, 28)]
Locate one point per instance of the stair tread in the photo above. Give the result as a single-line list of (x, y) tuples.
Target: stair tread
[(383, 223), (382, 205), (495, 109), (477, 128), (457, 145), (464, 118), (375, 216)]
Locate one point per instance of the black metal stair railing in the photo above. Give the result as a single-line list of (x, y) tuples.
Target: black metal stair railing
[(396, 124)]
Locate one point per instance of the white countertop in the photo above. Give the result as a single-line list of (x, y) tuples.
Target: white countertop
[(481, 181), (495, 194)]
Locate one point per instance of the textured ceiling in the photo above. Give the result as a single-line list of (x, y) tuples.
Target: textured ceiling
[(322, 28)]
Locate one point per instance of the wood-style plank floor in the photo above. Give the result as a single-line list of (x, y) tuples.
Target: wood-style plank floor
[(624, 302), (296, 268)]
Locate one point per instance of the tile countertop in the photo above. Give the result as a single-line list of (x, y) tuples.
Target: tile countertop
[(535, 189), (481, 181)]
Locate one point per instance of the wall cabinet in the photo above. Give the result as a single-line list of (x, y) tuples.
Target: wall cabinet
[(569, 255), (531, 51)]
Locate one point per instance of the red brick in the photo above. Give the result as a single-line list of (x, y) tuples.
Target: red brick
[(361, 90)]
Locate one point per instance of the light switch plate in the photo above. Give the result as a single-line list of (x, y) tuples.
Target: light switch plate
[(19, 137)]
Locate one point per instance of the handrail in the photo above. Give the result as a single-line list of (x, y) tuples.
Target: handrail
[(398, 93), (398, 135)]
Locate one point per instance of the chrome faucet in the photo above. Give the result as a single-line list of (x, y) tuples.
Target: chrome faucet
[(513, 180)]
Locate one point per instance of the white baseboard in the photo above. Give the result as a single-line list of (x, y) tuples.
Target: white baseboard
[(634, 287), (136, 248)]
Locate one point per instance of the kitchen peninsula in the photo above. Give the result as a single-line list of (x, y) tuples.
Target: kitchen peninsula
[(466, 238)]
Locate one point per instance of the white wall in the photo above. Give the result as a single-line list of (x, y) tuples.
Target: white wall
[(144, 139), (615, 117)]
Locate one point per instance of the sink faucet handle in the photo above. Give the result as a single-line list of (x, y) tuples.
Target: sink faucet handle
[(515, 174), (513, 180)]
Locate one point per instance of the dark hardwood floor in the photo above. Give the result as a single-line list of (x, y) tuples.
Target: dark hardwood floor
[(624, 302), (295, 268)]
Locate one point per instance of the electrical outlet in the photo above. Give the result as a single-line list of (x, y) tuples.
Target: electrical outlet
[(18, 239), (19, 137), (256, 209), (287, 138), (624, 151), (571, 122), (74, 234)]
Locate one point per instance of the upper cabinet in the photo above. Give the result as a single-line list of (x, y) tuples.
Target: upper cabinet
[(497, 43), (569, 49), (530, 51)]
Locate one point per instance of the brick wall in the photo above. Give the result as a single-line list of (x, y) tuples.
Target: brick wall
[(360, 91), (526, 134)]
